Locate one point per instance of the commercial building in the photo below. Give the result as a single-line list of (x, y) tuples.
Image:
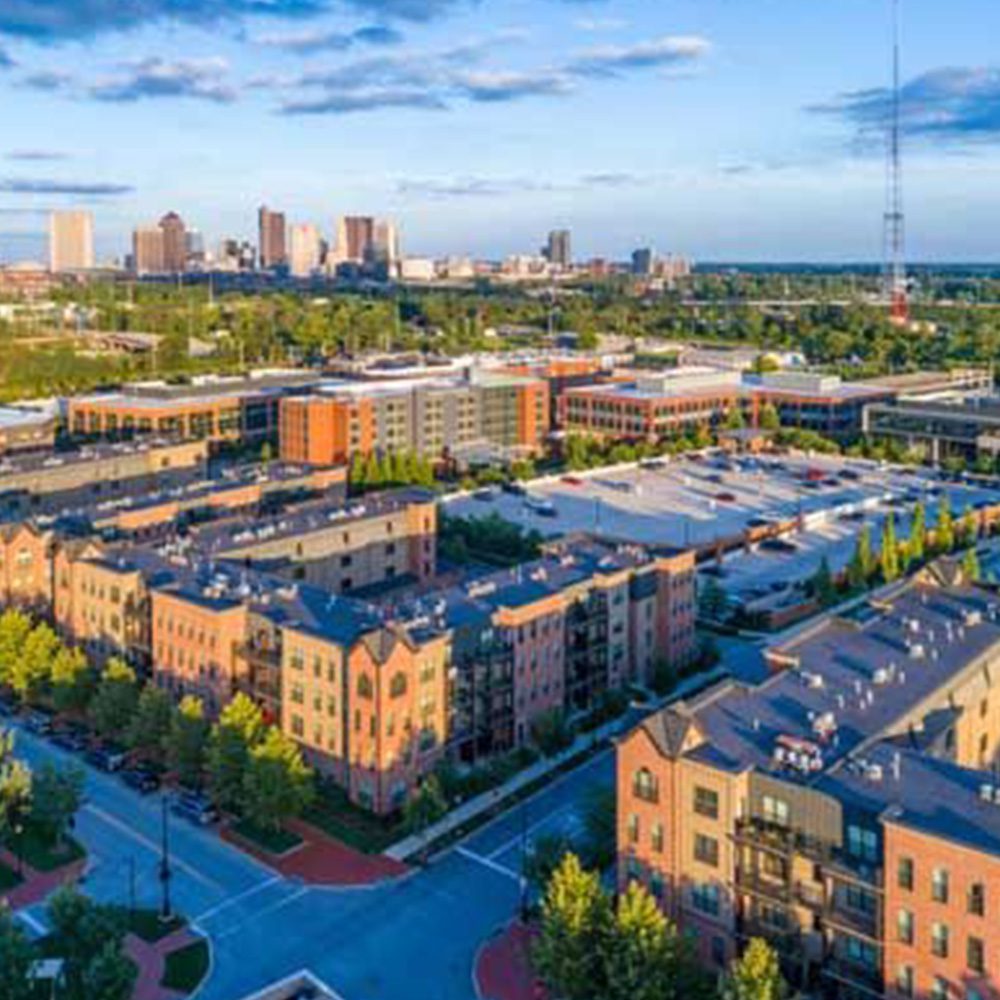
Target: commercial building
[(559, 249), (679, 399), (148, 251), (435, 417), (71, 241), (209, 407), (175, 244), (271, 238), (843, 809), (304, 250), (25, 429), (355, 238)]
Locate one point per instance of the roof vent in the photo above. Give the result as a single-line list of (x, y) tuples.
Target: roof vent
[(986, 792), (917, 651), (873, 772)]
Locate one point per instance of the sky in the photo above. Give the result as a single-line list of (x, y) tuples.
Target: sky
[(719, 129)]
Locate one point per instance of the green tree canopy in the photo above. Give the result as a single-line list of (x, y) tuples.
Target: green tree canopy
[(115, 701), (277, 784), (186, 743), (756, 975)]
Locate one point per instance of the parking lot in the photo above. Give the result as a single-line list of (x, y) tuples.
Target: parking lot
[(714, 500)]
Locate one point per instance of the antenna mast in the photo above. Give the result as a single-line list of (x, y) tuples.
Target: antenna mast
[(895, 221)]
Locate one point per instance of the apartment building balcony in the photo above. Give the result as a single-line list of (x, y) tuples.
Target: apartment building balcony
[(787, 941), (846, 868), (264, 656), (766, 887), (767, 836), (855, 922), (857, 975)]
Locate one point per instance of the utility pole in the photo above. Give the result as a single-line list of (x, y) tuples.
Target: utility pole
[(166, 911), (895, 220)]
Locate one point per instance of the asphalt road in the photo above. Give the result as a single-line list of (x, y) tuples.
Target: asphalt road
[(412, 939)]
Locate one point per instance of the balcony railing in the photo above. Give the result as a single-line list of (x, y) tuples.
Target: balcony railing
[(856, 974), (856, 922), (759, 885)]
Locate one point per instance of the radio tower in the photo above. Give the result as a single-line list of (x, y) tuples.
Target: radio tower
[(895, 222)]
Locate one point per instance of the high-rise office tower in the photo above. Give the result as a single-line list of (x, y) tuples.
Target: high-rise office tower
[(175, 247), (71, 241), (386, 242), (642, 261), (559, 250), (356, 238), (147, 250), (304, 250), (271, 231)]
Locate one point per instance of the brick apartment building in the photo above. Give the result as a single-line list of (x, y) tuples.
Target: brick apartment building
[(507, 413), (843, 809)]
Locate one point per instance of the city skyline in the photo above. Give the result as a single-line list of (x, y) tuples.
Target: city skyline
[(721, 133)]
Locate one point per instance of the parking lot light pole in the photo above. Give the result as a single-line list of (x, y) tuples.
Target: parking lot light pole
[(166, 913)]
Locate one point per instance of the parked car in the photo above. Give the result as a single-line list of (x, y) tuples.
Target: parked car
[(849, 474), (572, 480), (143, 779), (194, 807), (485, 495), (778, 545), (107, 757), (38, 722), (514, 489), (725, 497), (759, 522), (73, 739)]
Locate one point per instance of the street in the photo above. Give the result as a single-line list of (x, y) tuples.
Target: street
[(412, 939)]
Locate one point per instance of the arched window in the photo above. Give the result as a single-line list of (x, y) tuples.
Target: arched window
[(397, 686), (364, 686), (644, 785)]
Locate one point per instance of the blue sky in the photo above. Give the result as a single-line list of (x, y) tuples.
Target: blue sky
[(723, 129)]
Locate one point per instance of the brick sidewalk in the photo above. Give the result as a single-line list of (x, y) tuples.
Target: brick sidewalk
[(151, 961), (503, 967), (322, 860), (37, 885)]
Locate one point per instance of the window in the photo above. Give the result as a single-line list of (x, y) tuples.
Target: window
[(657, 837), (706, 802), (939, 940), (364, 686), (706, 899), (297, 728), (706, 850), (904, 980), (904, 927), (397, 686), (862, 843), (939, 988), (904, 874), (775, 810), (977, 899), (644, 785), (975, 955), (939, 885), (633, 829)]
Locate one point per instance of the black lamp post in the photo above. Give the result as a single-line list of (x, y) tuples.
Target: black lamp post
[(166, 912)]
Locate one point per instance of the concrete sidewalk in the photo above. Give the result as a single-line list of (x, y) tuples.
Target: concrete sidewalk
[(412, 845)]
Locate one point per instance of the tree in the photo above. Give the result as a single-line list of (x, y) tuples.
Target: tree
[(186, 743), (15, 789), (599, 819), (917, 543), (15, 627), (87, 934), (889, 551), (822, 584), (968, 528), (944, 529), (115, 701), (712, 600), (426, 806), (860, 568), (756, 975), (277, 784), (150, 725), (240, 728), (551, 732), (32, 671), (970, 566), (16, 958), (768, 418), (110, 974), (544, 856), (56, 799), (734, 419), (576, 918), (72, 680)]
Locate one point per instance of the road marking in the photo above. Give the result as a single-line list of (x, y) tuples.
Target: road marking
[(239, 897), (514, 841), (267, 911), (33, 922), (488, 863), (151, 845)]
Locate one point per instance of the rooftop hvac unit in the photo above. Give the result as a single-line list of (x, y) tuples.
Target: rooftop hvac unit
[(881, 676), (986, 791), (873, 772), (917, 651)]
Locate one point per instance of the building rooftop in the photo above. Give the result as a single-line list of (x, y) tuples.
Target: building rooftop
[(845, 682), (36, 462), (14, 417)]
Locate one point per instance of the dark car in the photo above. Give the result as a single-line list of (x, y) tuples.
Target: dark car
[(778, 545), (194, 807), (38, 722), (485, 495), (572, 480), (107, 757), (759, 522), (849, 474), (142, 779), (73, 740), (725, 497), (514, 489)]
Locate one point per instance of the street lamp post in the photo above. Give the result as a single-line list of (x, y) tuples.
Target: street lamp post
[(166, 912)]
